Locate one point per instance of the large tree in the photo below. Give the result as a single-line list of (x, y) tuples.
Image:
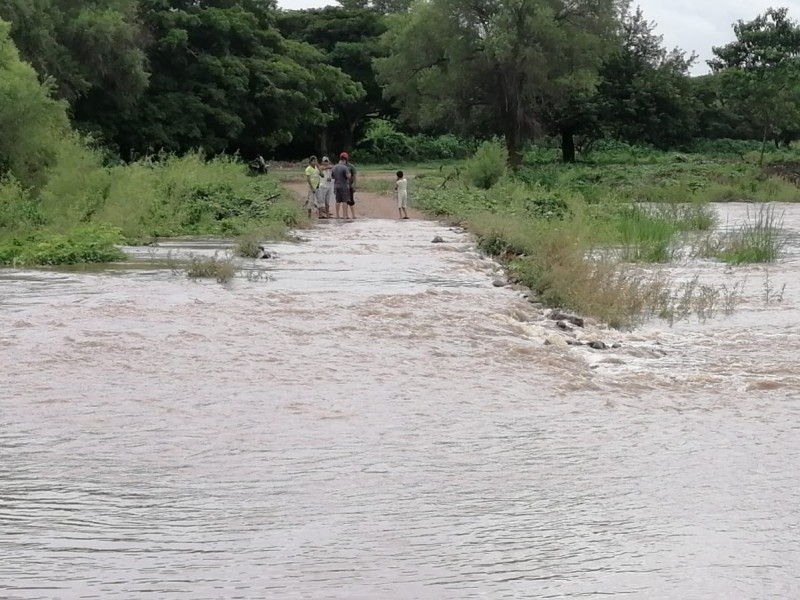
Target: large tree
[(349, 39), (483, 66), (645, 95), (224, 79), (30, 120), (760, 72), (93, 51)]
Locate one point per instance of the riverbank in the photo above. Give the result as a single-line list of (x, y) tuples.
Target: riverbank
[(594, 238), (83, 213)]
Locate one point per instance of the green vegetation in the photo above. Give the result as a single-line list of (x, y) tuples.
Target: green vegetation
[(62, 201), (575, 233), (758, 240), (123, 121), (88, 243)]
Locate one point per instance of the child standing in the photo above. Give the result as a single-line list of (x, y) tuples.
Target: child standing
[(401, 191)]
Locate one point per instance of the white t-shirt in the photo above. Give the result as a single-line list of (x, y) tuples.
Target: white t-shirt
[(326, 180), (402, 187)]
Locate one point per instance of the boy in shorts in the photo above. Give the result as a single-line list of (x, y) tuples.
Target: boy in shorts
[(401, 193)]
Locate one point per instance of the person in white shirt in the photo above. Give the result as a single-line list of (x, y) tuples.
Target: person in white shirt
[(325, 189), (401, 192)]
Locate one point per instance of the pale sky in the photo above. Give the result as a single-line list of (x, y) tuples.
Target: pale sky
[(693, 25)]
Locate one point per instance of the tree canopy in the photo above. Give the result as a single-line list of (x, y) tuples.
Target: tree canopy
[(243, 75), (760, 71)]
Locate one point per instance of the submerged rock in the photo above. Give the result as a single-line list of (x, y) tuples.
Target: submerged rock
[(499, 283), (597, 345), (557, 315), (563, 325), (557, 341), (437, 240)]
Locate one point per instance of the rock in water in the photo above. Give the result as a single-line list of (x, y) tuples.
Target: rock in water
[(557, 315), (437, 240), (597, 345), (499, 283), (557, 341), (563, 325)]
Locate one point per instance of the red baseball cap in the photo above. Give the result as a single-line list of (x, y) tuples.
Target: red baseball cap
[(344, 155)]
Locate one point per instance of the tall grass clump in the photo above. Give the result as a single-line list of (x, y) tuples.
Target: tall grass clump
[(758, 240), (555, 261), (645, 236), (220, 269)]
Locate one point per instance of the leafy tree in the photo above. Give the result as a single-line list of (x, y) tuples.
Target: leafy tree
[(760, 72), (494, 67), (349, 39), (645, 96), (224, 79), (30, 120), (92, 50)]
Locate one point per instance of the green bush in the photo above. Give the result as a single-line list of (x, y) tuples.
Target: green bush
[(18, 210), (488, 165), (84, 244), (383, 143)]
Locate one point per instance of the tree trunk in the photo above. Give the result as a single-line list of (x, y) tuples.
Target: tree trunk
[(567, 146), (323, 142), (763, 148), (514, 154), (348, 143)]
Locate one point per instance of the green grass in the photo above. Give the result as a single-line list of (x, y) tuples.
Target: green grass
[(758, 240), (645, 236), (576, 234)]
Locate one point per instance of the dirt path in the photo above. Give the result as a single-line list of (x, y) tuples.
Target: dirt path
[(369, 205)]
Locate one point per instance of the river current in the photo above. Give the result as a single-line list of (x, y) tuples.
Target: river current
[(366, 416)]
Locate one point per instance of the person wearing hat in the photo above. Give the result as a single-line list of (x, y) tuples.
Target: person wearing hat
[(325, 189), (312, 179)]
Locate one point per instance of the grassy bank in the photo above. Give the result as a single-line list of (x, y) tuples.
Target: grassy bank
[(581, 235), (86, 207)]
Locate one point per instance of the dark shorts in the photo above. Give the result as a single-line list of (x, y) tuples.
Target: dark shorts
[(344, 196)]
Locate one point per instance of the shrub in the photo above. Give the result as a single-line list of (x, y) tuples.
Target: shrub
[(488, 165), (220, 269), (18, 210), (383, 142), (84, 244)]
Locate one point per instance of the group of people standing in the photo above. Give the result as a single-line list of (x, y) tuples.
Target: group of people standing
[(329, 183)]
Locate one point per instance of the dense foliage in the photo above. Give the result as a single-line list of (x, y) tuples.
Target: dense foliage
[(413, 80)]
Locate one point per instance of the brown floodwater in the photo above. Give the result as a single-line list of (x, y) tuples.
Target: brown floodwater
[(366, 416)]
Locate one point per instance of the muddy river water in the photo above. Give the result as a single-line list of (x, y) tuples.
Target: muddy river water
[(367, 417)]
